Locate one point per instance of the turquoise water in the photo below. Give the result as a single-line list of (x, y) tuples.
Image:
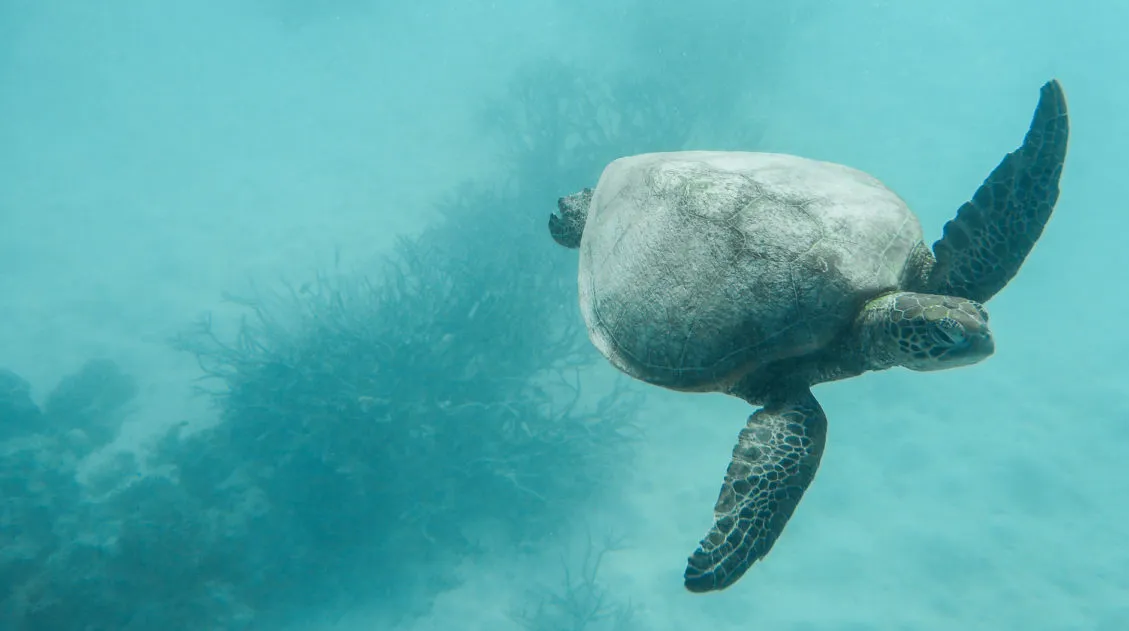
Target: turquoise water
[(157, 157)]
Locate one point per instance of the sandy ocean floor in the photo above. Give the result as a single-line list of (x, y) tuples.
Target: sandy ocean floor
[(925, 515)]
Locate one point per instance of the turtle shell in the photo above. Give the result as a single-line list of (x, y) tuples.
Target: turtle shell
[(697, 267)]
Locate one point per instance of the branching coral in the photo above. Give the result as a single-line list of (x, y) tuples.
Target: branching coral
[(387, 418), (579, 602)]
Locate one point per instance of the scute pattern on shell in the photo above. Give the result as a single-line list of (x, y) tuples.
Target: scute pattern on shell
[(699, 266)]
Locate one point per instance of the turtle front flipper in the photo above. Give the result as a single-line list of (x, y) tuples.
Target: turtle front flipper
[(983, 247), (776, 457)]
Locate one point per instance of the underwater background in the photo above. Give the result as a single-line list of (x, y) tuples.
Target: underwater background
[(286, 345)]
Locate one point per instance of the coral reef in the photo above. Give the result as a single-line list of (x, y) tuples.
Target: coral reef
[(379, 424), (46, 521), (84, 409), (374, 427)]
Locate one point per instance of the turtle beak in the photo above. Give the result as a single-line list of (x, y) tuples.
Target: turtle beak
[(983, 345), (980, 345)]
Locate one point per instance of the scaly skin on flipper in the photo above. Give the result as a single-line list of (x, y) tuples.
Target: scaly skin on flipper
[(778, 452), (984, 246), (776, 457)]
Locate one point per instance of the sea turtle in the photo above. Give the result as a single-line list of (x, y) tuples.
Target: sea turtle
[(760, 275)]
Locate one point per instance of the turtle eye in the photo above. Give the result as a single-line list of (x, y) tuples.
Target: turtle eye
[(949, 332)]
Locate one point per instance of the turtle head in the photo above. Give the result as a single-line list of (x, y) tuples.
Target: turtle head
[(926, 332), (567, 225)]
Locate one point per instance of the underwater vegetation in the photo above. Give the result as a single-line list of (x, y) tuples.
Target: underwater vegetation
[(374, 428), (386, 418), (579, 602)]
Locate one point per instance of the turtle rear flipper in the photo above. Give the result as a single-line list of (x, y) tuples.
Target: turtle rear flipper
[(984, 246), (568, 227), (776, 457)]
